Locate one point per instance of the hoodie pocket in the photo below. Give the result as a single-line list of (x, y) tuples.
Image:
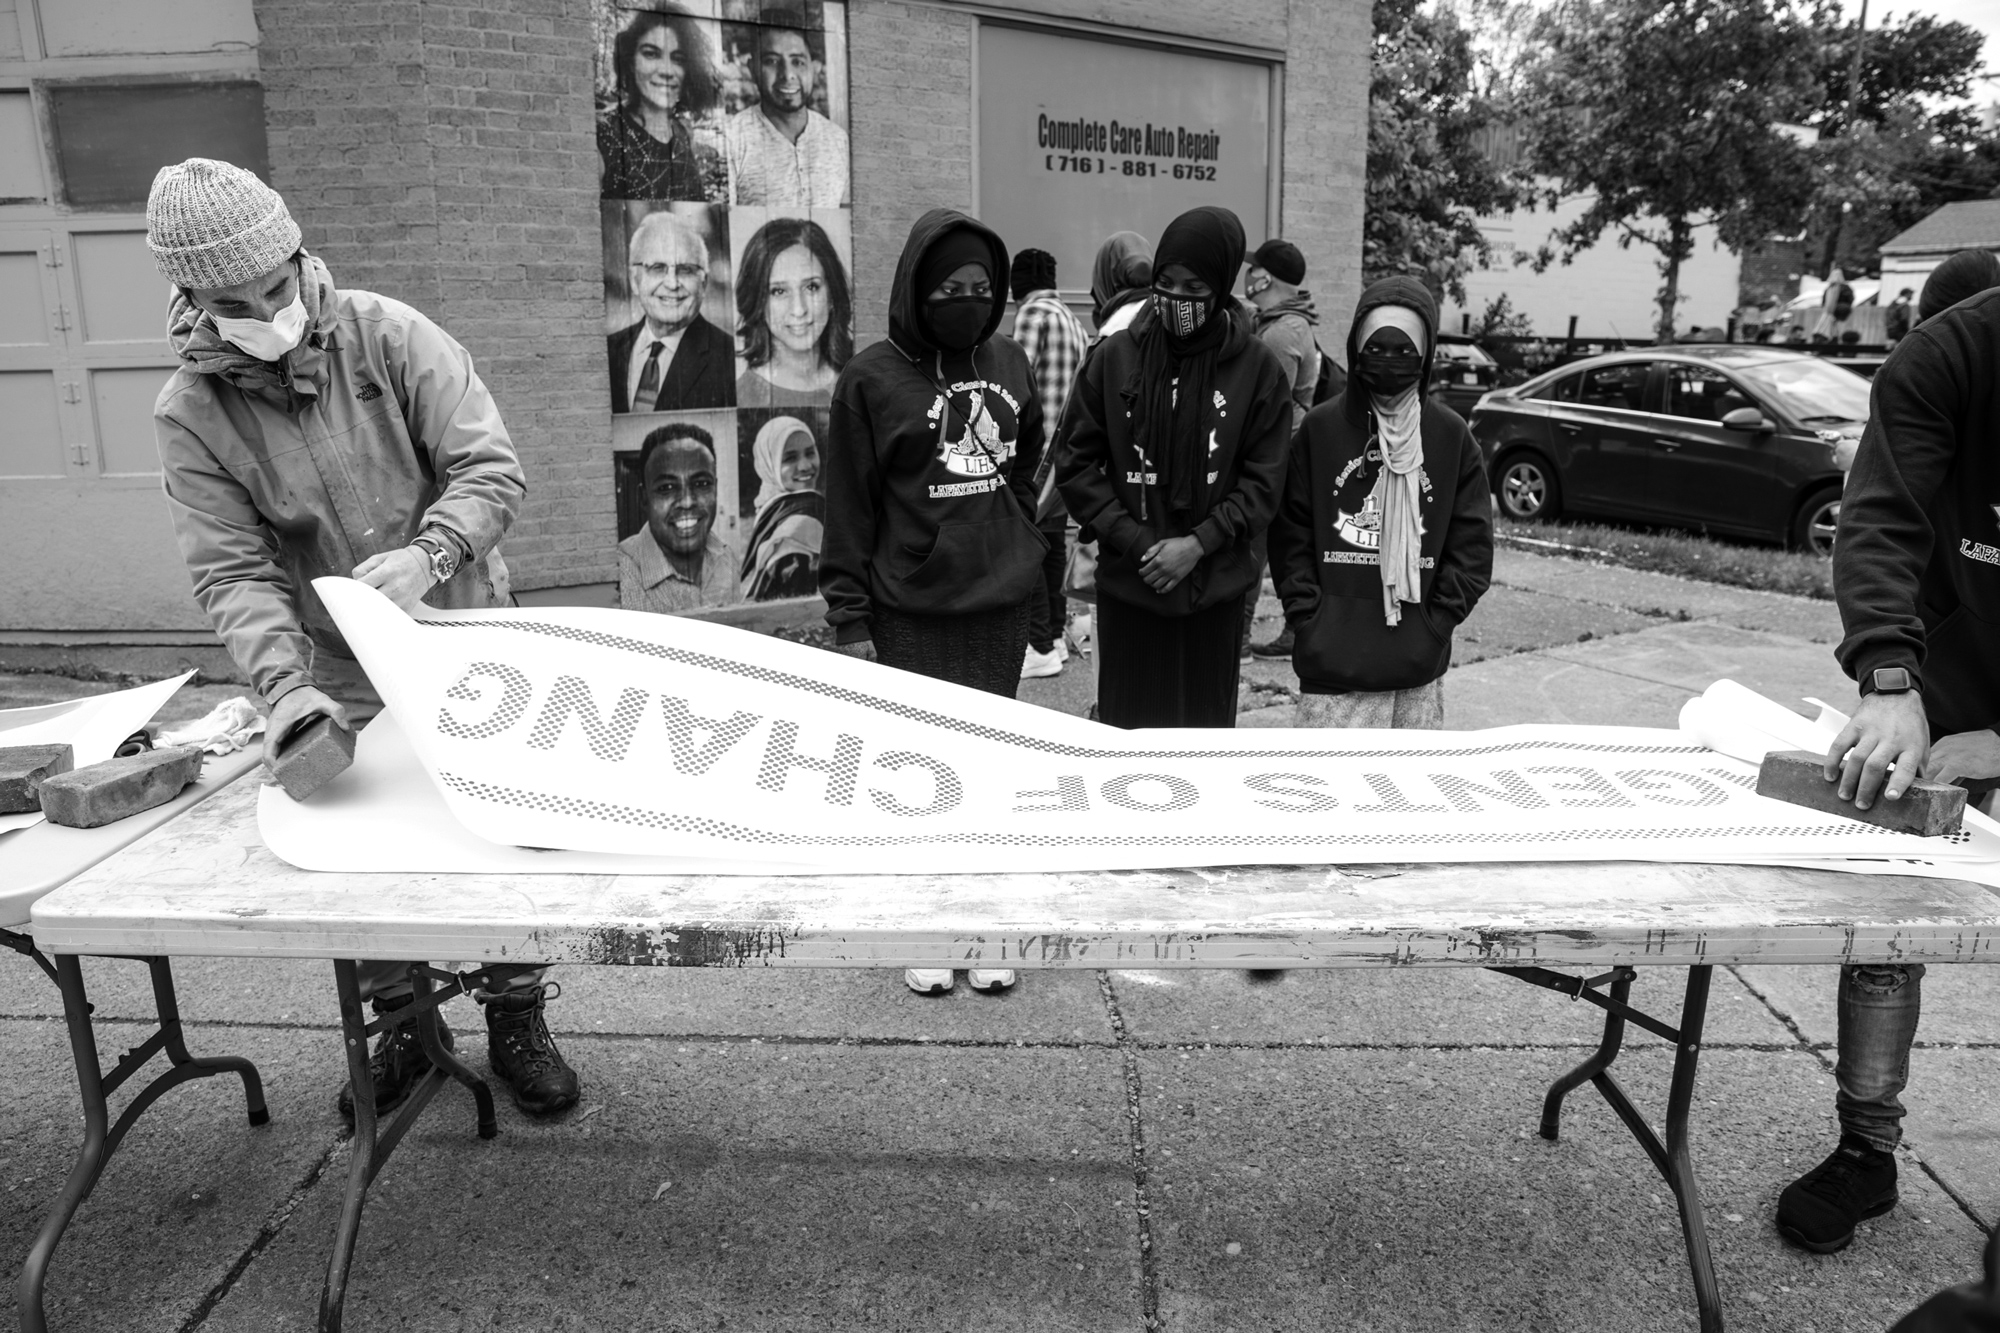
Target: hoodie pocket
[(1961, 689), (971, 567), (1347, 645)]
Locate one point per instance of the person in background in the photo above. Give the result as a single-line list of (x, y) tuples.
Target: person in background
[(781, 152), (672, 359), (1285, 321), (1896, 318), (1054, 341), (666, 78), (278, 401), (1836, 303), (1172, 455), (932, 559), (1384, 542), (794, 315), (1121, 282), (781, 558), (1966, 273), (1916, 573), (678, 561)]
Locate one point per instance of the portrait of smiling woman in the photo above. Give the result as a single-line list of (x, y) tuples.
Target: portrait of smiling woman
[(664, 93), (793, 315)]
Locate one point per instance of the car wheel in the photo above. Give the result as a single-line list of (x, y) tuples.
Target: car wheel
[(1812, 530), (1527, 488)]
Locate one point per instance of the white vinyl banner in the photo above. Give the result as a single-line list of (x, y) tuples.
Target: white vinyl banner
[(612, 731)]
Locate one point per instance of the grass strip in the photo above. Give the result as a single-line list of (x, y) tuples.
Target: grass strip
[(1682, 554)]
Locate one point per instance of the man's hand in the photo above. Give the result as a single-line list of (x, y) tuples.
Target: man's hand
[(1964, 754), (1167, 563), (403, 575), (864, 649), (294, 708), (1887, 729)]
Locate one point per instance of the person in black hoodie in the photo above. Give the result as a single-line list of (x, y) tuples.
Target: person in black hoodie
[(930, 553), (1384, 540), (1173, 451), (1916, 572)]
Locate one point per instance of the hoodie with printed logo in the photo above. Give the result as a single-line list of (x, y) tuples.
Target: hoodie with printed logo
[(1916, 559), (930, 464), (1326, 539)]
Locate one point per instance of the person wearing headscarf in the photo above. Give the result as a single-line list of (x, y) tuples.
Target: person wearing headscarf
[(932, 554), (1171, 454), (1120, 281), (1384, 541), (1967, 273), (781, 559)]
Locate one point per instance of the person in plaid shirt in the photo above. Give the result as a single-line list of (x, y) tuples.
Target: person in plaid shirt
[(1054, 341)]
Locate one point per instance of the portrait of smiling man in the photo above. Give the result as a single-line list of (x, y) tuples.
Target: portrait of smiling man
[(677, 562), (781, 152), (672, 359)]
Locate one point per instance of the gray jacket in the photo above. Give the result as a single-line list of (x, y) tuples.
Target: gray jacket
[(1287, 329)]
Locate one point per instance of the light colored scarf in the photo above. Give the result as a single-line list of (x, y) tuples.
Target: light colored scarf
[(769, 451), (1399, 425)]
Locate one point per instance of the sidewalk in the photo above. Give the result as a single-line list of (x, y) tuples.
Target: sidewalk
[(1096, 1151)]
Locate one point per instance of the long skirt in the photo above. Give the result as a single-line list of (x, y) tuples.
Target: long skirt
[(1161, 671), (982, 650)]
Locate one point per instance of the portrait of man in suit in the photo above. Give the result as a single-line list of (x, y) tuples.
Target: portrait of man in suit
[(671, 360)]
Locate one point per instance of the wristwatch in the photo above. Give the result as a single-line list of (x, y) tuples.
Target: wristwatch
[(442, 555), (1892, 680)]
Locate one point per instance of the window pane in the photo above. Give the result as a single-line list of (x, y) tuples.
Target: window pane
[(1703, 394), (124, 296), (20, 149), (119, 27), (1622, 385), (112, 139)]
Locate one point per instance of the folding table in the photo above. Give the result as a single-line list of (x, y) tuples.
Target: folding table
[(34, 862), (206, 885)]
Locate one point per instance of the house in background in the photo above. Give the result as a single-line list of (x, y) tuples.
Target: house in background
[(1970, 224)]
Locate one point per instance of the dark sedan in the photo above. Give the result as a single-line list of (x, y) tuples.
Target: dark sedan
[(1744, 440)]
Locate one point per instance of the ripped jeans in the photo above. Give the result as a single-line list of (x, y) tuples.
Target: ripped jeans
[(1879, 1003)]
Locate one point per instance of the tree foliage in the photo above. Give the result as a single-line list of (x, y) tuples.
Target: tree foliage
[(1429, 177), (1664, 113)]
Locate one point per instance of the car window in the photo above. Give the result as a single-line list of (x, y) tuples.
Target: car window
[(1562, 389), (1702, 394), (1622, 384), (1809, 390)]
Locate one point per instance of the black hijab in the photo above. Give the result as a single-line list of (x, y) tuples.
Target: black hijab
[(1172, 429), (1122, 273)]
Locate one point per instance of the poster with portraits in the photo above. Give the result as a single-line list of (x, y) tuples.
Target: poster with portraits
[(725, 187)]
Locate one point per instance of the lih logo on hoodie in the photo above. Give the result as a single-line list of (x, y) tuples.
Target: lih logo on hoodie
[(1363, 529), (979, 450)]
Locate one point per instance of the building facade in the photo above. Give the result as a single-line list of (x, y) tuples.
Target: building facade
[(448, 155)]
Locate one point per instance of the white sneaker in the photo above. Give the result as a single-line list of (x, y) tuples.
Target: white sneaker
[(992, 980), (1062, 648), (1036, 665), (928, 980)]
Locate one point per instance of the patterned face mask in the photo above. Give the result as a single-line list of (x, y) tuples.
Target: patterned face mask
[(1183, 314)]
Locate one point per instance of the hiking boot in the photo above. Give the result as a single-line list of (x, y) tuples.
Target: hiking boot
[(1818, 1211), (1278, 647), (523, 1055), (396, 1063)]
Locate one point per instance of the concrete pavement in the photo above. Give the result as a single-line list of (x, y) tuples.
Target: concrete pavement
[(1197, 1151)]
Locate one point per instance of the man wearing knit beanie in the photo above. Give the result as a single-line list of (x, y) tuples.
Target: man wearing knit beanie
[(315, 431)]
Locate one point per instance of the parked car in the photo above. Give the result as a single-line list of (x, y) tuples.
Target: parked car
[(1461, 373), (1742, 439)]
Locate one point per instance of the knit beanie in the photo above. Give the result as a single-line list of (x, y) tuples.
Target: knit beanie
[(1282, 260), (210, 224)]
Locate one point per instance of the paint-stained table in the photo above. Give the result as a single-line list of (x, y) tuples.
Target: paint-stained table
[(205, 884)]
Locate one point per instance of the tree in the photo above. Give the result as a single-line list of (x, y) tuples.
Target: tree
[(1428, 176), (1664, 113)]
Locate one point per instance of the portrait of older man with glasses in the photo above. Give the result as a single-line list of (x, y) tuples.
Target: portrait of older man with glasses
[(672, 359)]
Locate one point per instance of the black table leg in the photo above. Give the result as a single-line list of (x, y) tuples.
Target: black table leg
[(1671, 1157), (373, 1141), (101, 1137)]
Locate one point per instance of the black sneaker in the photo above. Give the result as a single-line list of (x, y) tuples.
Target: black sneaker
[(396, 1063), (524, 1056), (1818, 1211), (1278, 647)]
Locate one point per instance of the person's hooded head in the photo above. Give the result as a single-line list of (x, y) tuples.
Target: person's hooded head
[(1122, 272), (1390, 348), (786, 458), (1194, 268), (946, 296), (1393, 338), (1967, 273)]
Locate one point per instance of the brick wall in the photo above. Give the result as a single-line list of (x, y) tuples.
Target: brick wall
[(1325, 162), (443, 154)]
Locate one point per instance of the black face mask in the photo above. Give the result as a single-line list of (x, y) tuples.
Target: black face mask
[(957, 321), (1182, 315), (1388, 375)]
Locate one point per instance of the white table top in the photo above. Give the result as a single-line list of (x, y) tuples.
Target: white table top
[(204, 884), (35, 860)]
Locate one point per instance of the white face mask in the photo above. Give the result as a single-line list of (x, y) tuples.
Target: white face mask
[(267, 340)]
